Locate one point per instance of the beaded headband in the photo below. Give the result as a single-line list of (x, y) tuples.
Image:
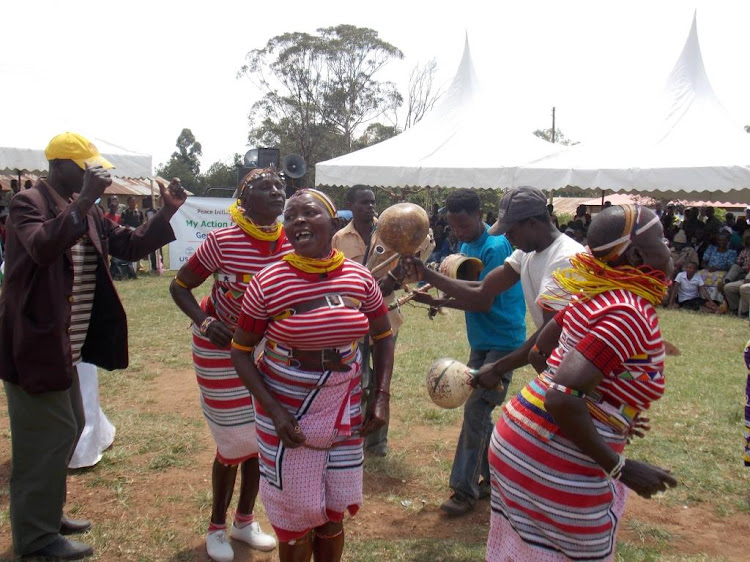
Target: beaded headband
[(320, 196), (257, 175), (629, 232)]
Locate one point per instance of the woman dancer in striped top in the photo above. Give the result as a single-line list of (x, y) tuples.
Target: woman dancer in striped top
[(232, 256), (312, 308), (559, 477)]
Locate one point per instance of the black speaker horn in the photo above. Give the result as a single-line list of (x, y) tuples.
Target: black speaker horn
[(294, 166)]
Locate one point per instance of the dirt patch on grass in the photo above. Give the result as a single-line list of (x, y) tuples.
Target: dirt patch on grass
[(687, 529), (141, 513)]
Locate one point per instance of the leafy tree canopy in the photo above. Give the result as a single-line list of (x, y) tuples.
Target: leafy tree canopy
[(319, 90), (560, 138)]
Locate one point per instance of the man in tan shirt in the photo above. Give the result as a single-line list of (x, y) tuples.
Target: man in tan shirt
[(361, 242)]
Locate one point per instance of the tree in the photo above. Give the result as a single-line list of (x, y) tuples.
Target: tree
[(375, 133), (184, 162), (421, 95), (546, 134), (352, 95), (189, 151), (221, 174), (318, 90)]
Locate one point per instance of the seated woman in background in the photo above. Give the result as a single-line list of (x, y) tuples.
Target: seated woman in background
[(689, 291), (736, 284), (683, 252), (717, 260)]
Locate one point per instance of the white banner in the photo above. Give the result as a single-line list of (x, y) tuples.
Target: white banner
[(192, 223)]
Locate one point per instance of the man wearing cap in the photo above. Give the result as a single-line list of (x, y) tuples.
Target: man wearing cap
[(541, 250), (494, 329), (59, 307)]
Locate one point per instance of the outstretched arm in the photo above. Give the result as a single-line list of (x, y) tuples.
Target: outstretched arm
[(476, 296)]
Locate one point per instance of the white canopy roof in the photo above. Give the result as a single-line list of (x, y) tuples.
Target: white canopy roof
[(465, 141), (685, 147), (128, 164)]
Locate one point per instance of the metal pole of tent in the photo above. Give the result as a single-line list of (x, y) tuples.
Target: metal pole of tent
[(553, 124)]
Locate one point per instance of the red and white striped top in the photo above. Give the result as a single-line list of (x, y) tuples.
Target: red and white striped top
[(619, 333), (280, 286), (234, 257)]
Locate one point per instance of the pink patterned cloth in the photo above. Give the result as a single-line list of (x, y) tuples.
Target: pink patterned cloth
[(308, 486)]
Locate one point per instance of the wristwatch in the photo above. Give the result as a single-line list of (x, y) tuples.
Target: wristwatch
[(206, 323)]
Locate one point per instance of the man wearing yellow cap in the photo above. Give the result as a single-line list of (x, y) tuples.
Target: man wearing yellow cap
[(59, 307)]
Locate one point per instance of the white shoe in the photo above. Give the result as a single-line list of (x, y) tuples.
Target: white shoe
[(218, 547), (252, 535)]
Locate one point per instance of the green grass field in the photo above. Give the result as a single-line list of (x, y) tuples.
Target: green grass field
[(151, 492)]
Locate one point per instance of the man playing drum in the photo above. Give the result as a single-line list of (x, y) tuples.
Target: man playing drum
[(361, 242), (541, 250), (496, 331)]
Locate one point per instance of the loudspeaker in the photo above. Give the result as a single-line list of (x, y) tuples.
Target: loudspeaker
[(294, 166), (262, 158), (257, 158)]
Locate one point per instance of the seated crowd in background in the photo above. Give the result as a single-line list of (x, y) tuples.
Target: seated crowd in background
[(711, 258)]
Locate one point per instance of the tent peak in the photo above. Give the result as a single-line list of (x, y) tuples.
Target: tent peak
[(688, 79), (465, 85)]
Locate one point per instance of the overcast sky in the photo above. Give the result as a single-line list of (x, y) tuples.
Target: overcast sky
[(135, 73)]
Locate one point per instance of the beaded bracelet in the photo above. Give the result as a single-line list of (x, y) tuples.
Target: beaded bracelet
[(382, 335), (567, 390), (536, 349), (206, 323), (248, 348), (616, 471)]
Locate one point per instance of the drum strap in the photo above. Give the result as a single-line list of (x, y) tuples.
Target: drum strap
[(366, 257)]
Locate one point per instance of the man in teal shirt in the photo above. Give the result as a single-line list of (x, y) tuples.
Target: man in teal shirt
[(493, 332)]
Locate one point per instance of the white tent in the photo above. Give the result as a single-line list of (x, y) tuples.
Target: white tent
[(687, 147), (464, 142), (31, 159)]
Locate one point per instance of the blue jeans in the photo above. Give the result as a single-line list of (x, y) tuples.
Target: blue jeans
[(470, 462)]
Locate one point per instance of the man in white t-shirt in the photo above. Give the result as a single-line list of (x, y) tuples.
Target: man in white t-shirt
[(689, 291), (542, 249)]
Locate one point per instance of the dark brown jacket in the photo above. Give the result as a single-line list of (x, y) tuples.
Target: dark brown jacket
[(36, 298)]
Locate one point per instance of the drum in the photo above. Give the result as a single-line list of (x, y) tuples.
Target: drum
[(403, 227), (448, 383), (461, 266)]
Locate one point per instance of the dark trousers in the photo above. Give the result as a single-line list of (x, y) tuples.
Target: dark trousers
[(692, 304), (470, 462), (44, 430)]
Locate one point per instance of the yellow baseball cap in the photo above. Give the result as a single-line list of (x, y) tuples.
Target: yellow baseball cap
[(72, 146)]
